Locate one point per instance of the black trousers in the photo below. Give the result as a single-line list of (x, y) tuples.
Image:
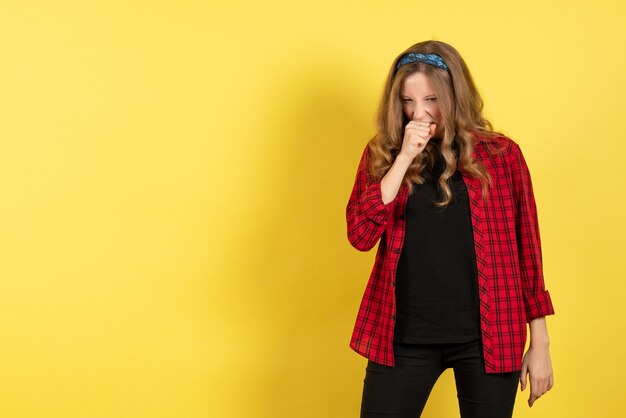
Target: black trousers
[(402, 391)]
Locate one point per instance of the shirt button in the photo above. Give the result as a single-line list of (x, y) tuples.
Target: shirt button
[(397, 251), (393, 284), (393, 317)]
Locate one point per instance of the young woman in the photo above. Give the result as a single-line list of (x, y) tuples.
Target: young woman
[(458, 272)]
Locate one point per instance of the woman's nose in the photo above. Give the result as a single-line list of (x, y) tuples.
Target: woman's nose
[(418, 113)]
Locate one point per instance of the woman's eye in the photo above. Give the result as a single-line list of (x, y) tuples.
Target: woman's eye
[(432, 99), (405, 100)]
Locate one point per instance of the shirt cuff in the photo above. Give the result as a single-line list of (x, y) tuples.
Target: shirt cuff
[(538, 305)]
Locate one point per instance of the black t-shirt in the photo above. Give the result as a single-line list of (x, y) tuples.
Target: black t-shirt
[(436, 282)]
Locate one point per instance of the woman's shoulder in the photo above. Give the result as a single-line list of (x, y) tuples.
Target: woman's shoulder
[(495, 144)]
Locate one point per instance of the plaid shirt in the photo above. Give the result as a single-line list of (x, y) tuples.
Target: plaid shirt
[(508, 258)]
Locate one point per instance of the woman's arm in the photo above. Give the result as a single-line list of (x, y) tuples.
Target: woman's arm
[(537, 361), (370, 205), (366, 213), (537, 301)]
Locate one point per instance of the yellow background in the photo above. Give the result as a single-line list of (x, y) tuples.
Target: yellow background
[(174, 181)]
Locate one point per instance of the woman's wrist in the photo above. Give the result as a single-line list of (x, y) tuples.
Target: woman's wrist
[(539, 333), (543, 345)]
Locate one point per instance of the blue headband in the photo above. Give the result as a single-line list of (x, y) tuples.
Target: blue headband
[(432, 59)]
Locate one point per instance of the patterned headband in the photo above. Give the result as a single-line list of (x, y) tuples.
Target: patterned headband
[(432, 59)]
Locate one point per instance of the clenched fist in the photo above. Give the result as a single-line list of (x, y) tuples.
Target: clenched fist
[(416, 136)]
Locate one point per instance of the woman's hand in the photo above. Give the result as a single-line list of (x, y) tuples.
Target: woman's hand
[(538, 365), (416, 136)]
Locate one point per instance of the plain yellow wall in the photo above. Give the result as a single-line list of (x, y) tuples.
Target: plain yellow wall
[(174, 181)]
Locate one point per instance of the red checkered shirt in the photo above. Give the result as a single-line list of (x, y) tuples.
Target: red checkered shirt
[(508, 258)]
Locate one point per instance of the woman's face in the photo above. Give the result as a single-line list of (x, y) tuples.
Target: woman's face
[(420, 102)]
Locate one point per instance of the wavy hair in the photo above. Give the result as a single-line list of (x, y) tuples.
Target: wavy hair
[(464, 126)]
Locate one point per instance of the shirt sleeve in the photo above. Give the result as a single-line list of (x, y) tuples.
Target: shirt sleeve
[(366, 214), (537, 301)]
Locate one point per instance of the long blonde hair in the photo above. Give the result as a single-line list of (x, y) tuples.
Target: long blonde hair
[(461, 107)]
